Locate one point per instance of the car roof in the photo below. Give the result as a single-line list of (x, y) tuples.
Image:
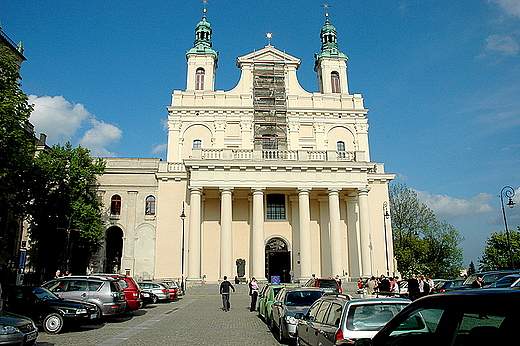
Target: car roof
[(488, 297), (293, 289), (84, 277)]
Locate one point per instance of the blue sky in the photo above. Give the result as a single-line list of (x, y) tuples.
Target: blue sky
[(441, 80)]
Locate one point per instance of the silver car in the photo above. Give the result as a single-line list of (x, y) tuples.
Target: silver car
[(338, 319), (105, 292), (158, 288), (289, 302)]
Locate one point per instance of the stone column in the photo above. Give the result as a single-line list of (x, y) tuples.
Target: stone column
[(365, 237), (194, 245), (257, 261), (353, 237), (305, 234), (226, 234), (335, 233)]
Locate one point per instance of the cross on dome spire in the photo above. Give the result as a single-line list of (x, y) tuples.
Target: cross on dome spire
[(204, 9)]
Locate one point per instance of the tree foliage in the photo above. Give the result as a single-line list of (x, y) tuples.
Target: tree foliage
[(496, 253), (422, 244), (66, 211), (17, 143)]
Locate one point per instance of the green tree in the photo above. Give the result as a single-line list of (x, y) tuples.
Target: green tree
[(66, 226), (422, 244), (471, 268), (17, 146), (496, 252)]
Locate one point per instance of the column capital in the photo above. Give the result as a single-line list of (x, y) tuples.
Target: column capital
[(226, 190), (195, 189), (304, 190), (258, 190), (332, 191), (364, 190)]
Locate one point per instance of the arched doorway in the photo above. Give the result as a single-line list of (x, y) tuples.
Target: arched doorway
[(277, 260), (114, 249)]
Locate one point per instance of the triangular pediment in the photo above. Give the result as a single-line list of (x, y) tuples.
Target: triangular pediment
[(268, 54)]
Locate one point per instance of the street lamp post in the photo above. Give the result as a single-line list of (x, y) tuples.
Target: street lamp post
[(183, 217), (386, 215), (508, 192)]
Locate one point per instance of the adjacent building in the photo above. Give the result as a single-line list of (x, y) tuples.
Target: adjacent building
[(264, 180)]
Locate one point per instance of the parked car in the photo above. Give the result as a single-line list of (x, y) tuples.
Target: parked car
[(148, 297), (508, 281), (105, 292), (266, 298), (336, 319), (16, 329), (131, 289), (328, 284), (456, 318), (173, 288), (288, 302), (158, 288), (174, 284), (488, 278), (447, 285), (47, 309)]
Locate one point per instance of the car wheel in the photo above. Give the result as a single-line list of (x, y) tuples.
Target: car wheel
[(53, 323), (154, 299)]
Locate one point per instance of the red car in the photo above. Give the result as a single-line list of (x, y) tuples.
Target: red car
[(131, 289), (173, 289)]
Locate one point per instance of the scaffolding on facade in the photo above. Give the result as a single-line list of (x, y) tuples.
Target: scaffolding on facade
[(270, 106)]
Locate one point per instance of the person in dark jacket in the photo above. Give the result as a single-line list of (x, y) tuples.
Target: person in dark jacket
[(225, 291)]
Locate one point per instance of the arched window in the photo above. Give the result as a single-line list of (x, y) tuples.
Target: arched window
[(199, 79), (334, 80), (340, 146), (115, 205), (197, 143), (150, 206)]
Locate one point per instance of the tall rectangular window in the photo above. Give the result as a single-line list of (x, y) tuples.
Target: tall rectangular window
[(275, 207), (199, 79), (334, 79)]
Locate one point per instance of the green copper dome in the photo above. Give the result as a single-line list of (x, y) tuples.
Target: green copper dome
[(329, 42), (202, 44)]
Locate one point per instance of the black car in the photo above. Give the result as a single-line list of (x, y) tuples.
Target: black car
[(456, 318), (46, 308), (447, 285), (488, 278)]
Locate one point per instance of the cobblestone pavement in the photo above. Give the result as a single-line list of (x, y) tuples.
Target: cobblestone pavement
[(194, 319)]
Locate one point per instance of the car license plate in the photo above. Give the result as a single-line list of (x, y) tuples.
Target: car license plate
[(31, 337)]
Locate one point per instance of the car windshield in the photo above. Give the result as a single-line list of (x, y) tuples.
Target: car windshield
[(327, 284), (302, 298), (505, 281), (44, 294), (371, 317), (123, 283)]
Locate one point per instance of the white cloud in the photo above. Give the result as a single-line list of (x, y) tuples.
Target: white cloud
[(160, 148), (56, 117), (504, 45), (510, 7), (100, 136), (62, 120), (446, 207)]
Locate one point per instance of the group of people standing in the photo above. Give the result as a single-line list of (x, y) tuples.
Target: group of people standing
[(417, 287), (225, 290)]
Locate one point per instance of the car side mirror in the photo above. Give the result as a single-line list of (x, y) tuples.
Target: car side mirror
[(299, 315)]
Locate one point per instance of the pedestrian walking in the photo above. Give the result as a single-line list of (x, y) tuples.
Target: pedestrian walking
[(225, 287), (253, 292)]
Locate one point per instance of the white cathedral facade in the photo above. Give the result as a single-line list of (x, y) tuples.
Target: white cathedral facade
[(271, 180)]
